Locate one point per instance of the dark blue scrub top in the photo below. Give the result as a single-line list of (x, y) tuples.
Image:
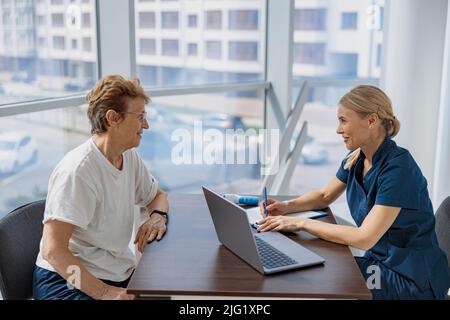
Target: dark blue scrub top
[(409, 246)]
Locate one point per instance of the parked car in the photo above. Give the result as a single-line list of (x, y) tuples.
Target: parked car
[(156, 150), (222, 121), (313, 153), (73, 86), (20, 76), (159, 114), (17, 150)]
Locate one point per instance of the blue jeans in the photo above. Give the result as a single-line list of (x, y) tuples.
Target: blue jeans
[(48, 285), (393, 285)]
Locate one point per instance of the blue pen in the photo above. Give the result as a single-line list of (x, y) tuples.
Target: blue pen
[(265, 202)]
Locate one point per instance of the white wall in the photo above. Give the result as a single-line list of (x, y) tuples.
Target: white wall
[(414, 36)]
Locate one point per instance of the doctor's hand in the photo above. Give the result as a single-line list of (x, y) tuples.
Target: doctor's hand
[(153, 228), (274, 207), (280, 223)]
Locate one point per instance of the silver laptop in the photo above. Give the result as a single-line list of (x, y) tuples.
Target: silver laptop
[(267, 252)]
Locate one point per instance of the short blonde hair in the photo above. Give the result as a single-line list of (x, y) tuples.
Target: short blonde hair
[(364, 100), (111, 93)]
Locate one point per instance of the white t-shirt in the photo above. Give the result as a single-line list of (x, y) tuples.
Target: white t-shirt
[(86, 190)]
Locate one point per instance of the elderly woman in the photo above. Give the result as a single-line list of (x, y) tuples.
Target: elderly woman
[(89, 217), (388, 199)]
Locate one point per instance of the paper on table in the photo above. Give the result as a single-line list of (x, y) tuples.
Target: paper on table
[(254, 214)]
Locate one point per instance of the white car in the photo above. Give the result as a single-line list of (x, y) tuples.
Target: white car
[(17, 149)]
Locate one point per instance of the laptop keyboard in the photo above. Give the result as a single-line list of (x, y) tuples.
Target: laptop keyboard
[(272, 258)]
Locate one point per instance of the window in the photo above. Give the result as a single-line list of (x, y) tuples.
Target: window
[(86, 20), (201, 50), (378, 61), (146, 20), (192, 21), (213, 50), (41, 50), (87, 44), (309, 53), (57, 20), (169, 20), (169, 48), (40, 20), (349, 21), (147, 46), (213, 20), (243, 50), (42, 42), (192, 49), (310, 19), (59, 43), (243, 20)]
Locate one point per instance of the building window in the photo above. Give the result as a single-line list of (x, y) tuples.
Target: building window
[(86, 20), (74, 44), (146, 20), (169, 48), (213, 50), (40, 20), (381, 18), (56, 2), (243, 20), (42, 42), (87, 44), (169, 20), (309, 53), (192, 49), (349, 21), (378, 62), (243, 50), (59, 43), (213, 20), (310, 19), (147, 46), (57, 20), (192, 21)]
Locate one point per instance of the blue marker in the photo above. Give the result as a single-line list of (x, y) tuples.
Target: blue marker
[(265, 203)]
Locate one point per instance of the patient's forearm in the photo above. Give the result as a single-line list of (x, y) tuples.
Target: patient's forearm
[(160, 202), (71, 269)]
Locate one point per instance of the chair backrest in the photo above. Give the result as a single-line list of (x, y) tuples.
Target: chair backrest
[(443, 227), (20, 235)]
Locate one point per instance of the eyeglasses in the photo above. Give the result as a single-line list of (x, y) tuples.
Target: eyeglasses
[(142, 116)]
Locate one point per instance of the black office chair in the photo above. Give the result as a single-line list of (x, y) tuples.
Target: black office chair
[(443, 228), (20, 234)]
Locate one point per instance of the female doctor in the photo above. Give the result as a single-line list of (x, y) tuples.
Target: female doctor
[(388, 199)]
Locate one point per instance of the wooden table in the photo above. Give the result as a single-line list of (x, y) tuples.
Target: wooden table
[(190, 260)]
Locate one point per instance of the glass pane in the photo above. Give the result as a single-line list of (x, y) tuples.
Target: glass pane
[(190, 142), (199, 42), (332, 41), (47, 49), (29, 154), (211, 122)]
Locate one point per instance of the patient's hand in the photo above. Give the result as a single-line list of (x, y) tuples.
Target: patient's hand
[(153, 228)]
